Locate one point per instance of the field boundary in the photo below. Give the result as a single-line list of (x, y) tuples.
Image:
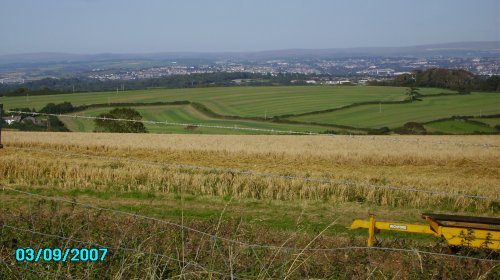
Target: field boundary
[(357, 104), (204, 110), (466, 118)]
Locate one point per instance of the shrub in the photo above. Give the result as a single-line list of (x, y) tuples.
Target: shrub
[(108, 121), (61, 108), (411, 128)]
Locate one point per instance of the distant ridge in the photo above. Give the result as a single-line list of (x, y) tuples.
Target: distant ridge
[(458, 49)]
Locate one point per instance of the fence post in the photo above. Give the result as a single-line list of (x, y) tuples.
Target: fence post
[(371, 231), (1, 122)]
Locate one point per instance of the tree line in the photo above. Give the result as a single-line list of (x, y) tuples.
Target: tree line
[(454, 79), (69, 85)]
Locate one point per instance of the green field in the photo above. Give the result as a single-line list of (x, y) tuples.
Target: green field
[(280, 101), (458, 127), (186, 114), (489, 121), (236, 101), (395, 115)]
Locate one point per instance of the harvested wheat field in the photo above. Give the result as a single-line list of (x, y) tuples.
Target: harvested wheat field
[(279, 191), (466, 165)]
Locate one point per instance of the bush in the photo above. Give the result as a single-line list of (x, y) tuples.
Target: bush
[(107, 124), (61, 108), (411, 128)]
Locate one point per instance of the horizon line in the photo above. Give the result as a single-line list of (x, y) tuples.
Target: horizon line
[(249, 51)]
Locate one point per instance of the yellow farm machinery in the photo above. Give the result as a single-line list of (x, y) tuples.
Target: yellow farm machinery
[(468, 231)]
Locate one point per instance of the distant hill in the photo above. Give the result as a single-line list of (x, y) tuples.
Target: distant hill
[(457, 49)]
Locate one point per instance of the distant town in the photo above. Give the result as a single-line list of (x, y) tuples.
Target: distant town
[(339, 70), (369, 68)]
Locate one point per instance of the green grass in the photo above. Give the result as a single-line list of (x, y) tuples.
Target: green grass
[(276, 101), (395, 115), (489, 121), (236, 101), (308, 216), (434, 91), (458, 127), (188, 115)]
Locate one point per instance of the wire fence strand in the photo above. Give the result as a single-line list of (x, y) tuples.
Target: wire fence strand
[(246, 244), (191, 263), (261, 130), (348, 183)]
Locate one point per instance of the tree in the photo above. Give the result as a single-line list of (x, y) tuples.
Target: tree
[(411, 128), (121, 120), (22, 90), (61, 108), (412, 93), (405, 80), (491, 84), (54, 124), (454, 79)]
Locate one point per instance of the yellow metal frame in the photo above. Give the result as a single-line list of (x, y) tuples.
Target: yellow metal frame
[(477, 236)]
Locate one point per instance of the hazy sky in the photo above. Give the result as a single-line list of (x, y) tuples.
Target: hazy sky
[(122, 26)]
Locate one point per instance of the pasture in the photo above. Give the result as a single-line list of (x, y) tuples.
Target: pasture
[(236, 101), (490, 121), (460, 127), (317, 109), (395, 115), (186, 114)]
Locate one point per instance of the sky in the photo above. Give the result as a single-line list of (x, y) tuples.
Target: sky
[(148, 26)]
